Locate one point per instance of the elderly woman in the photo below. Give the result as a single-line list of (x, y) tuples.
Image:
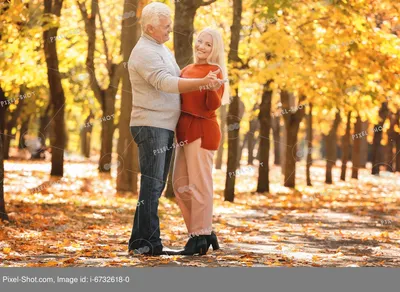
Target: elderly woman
[(198, 126)]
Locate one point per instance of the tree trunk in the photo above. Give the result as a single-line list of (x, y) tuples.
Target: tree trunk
[(107, 133), (106, 97), (376, 142), (3, 111), (390, 155), (37, 153), (331, 146), (3, 213), (233, 117), (56, 90), (220, 153), (241, 113), (290, 159), (3, 119), (24, 128), (265, 128), (257, 147), (276, 127), (356, 154), (127, 177), (345, 147), (309, 145), (44, 125), (85, 135), (397, 141), (185, 11), (253, 127), (282, 147), (364, 146), (11, 124), (233, 149), (292, 124)]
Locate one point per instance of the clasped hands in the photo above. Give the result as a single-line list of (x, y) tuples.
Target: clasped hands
[(212, 82)]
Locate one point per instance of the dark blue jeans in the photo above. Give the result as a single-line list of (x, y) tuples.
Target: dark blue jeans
[(155, 152)]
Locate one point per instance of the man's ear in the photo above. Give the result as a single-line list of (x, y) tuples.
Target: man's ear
[(150, 29)]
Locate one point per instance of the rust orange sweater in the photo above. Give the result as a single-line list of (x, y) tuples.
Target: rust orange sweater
[(198, 118)]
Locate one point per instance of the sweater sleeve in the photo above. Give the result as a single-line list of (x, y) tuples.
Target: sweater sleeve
[(152, 67), (213, 98)]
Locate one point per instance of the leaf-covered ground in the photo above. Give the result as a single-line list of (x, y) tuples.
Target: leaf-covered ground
[(81, 221)]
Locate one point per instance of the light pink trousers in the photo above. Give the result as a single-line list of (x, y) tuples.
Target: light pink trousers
[(193, 186)]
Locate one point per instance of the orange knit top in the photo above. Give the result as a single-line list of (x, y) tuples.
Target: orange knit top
[(198, 118)]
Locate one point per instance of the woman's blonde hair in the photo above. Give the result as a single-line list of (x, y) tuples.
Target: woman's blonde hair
[(217, 57)]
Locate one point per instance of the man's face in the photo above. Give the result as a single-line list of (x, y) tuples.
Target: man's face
[(161, 32)]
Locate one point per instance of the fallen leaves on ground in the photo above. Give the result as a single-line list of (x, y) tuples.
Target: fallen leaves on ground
[(80, 220)]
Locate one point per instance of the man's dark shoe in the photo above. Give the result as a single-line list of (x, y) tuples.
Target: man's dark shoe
[(156, 251)]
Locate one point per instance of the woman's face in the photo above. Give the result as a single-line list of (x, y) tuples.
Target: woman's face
[(203, 46)]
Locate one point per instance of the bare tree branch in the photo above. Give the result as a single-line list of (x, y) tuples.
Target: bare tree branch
[(109, 62), (90, 28), (84, 13)]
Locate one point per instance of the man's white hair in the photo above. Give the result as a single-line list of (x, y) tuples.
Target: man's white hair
[(152, 12)]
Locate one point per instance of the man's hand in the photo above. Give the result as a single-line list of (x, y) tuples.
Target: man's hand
[(215, 85)]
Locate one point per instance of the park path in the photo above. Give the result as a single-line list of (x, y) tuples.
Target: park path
[(81, 221)]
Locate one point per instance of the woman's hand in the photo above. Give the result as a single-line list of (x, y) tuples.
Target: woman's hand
[(212, 81), (211, 78)]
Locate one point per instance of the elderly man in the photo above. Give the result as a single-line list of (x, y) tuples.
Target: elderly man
[(154, 75)]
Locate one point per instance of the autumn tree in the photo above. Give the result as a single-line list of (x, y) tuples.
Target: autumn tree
[(292, 124), (52, 8), (127, 177), (104, 95), (233, 113)]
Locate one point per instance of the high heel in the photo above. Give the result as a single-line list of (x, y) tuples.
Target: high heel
[(212, 240), (196, 244)]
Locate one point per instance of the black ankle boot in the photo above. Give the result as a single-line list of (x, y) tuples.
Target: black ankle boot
[(196, 244), (212, 240)]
